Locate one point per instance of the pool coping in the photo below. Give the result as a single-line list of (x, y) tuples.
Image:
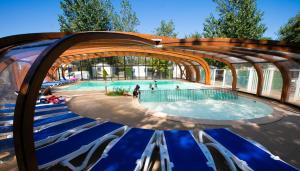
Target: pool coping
[(273, 117)]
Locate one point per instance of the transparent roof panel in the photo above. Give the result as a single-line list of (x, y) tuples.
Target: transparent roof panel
[(22, 53), (255, 59), (36, 44)]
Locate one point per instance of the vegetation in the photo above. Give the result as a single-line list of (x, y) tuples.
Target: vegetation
[(290, 32), (84, 15), (126, 20), (166, 28), (104, 74), (118, 92), (195, 35), (236, 19), (96, 15)]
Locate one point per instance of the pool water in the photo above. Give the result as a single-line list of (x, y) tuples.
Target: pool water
[(130, 85), (213, 109), (198, 102)]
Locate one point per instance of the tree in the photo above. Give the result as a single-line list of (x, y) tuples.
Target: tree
[(236, 19), (84, 15), (195, 35), (126, 20), (166, 28), (290, 32)]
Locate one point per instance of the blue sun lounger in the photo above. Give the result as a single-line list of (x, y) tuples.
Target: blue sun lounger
[(7, 110), (54, 120), (130, 152), (86, 141), (44, 123), (37, 108), (8, 105), (52, 134), (8, 119), (38, 105), (180, 151), (6, 145), (246, 154), (6, 129), (47, 112), (48, 107)]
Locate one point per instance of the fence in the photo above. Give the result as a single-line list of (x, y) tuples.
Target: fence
[(187, 94)]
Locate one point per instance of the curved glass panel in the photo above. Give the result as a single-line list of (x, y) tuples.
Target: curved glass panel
[(246, 77), (294, 90), (14, 65), (272, 84), (202, 74)]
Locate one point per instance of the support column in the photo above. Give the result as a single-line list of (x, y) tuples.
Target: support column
[(80, 70), (224, 78), (250, 80), (214, 77)]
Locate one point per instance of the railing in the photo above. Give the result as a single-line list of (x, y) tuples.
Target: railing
[(187, 94)]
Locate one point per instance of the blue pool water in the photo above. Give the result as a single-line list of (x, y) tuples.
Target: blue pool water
[(130, 85), (213, 109), (200, 104)]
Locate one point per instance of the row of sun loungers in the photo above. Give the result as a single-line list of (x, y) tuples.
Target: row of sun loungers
[(56, 83), (61, 139)]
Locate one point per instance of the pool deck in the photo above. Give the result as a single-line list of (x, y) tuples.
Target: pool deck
[(281, 137)]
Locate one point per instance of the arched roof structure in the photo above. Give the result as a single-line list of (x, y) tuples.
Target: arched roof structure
[(43, 51)]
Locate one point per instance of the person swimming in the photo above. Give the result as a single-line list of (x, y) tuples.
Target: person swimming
[(155, 83), (177, 87)]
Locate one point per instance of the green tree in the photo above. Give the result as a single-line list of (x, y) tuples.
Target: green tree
[(236, 19), (195, 35), (126, 20), (166, 28), (290, 32), (84, 15)]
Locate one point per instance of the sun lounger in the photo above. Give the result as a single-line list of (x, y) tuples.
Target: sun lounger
[(37, 108), (6, 145), (5, 129), (246, 154), (49, 105), (180, 151), (12, 105), (52, 134), (43, 123), (8, 119), (7, 110), (86, 141), (7, 105), (130, 152)]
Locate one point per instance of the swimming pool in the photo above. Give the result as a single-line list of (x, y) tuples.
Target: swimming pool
[(191, 101), (205, 104), (130, 85)]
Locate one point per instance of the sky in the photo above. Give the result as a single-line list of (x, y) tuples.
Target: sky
[(32, 16)]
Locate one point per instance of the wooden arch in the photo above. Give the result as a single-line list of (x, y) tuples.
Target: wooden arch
[(133, 51), (67, 61)]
